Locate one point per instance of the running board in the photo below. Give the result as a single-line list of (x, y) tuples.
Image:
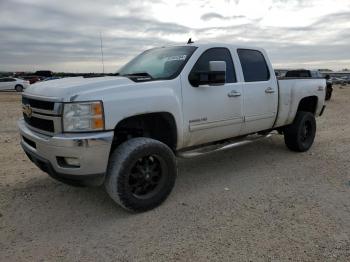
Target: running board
[(227, 144)]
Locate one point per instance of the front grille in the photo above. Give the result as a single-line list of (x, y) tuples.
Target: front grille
[(42, 115), (39, 123), (46, 105)]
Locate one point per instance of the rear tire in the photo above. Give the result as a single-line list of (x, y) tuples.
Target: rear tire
[(19, 88), (300, 135), (141, 174)]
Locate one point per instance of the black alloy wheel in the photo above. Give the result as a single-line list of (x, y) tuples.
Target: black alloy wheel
[(146, 176)]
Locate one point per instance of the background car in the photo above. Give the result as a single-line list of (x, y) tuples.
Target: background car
[(346, 79), (31, 79), (338, 81), (51, 78), (8, 83), (44, 73)]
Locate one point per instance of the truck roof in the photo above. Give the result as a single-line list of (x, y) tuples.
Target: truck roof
[(216, 44)]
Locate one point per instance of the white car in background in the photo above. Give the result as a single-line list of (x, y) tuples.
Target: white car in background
[(11, 83)]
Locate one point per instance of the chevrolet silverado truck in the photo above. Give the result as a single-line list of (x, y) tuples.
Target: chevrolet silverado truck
[(126, 131)]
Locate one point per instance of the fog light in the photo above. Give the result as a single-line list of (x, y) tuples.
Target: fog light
[(72, 161)]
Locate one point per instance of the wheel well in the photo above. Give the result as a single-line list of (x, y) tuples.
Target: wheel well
[(160, 126), (308, 104)]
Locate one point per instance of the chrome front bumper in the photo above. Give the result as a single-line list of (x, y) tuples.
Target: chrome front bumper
[(91, 149)]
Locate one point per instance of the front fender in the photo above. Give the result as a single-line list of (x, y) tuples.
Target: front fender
[(152, 99)]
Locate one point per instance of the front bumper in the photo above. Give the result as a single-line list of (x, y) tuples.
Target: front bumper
[(91, 149)]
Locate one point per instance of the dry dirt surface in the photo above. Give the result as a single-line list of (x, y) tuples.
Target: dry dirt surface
[(260, 202)]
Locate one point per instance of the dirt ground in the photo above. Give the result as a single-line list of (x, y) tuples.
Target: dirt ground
[(259, 202)]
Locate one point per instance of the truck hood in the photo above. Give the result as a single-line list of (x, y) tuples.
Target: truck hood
[(66, 88)]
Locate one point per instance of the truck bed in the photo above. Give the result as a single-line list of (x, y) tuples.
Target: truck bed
[(291, 91)]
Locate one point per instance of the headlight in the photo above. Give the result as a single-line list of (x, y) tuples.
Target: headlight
[(83, 117)]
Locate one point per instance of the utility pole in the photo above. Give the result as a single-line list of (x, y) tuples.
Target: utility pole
[(103, 64)]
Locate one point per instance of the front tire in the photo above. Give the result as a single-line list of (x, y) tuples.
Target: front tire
[(141, 174), (19, 88), (300, 135)]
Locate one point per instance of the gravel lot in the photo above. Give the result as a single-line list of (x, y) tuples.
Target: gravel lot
[(259, 202)]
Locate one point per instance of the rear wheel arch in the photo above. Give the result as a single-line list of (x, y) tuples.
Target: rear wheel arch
[(308, 104)]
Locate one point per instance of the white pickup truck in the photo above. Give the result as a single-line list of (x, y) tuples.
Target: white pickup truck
[(125, 131)]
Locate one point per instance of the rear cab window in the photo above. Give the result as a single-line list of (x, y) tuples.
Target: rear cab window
[(316, 74), (254, 65)]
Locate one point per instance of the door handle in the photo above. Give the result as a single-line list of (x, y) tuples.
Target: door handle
[(269, 90), (233, 93)]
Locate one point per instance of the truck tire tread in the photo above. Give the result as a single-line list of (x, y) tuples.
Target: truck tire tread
[(122, 156), (292, 133)]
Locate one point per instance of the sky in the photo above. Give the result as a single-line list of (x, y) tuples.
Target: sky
[(64, 35)]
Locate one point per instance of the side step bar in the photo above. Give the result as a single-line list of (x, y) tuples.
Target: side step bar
[(227, 144)]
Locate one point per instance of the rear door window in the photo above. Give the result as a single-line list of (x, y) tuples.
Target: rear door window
[(254, 65)]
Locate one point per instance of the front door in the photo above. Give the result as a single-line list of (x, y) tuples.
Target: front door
[(212, 112)]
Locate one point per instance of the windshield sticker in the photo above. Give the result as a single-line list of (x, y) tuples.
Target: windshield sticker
[(176, 58)]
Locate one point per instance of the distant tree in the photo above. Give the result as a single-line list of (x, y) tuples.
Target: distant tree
[(345, 70)]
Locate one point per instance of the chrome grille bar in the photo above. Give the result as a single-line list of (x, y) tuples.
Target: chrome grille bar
[(41, 118)]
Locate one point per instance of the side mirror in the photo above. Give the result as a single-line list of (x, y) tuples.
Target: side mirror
[(215, 76)]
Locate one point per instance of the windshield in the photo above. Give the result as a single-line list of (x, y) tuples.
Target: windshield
[(159, 63)]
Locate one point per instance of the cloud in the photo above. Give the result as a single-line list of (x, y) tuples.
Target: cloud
[(50, 36), (212, 15), (64, 35)]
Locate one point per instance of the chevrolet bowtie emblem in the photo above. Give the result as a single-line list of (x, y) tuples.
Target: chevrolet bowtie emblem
[(27, 110)]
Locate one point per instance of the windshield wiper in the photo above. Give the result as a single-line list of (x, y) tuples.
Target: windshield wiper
[(141, 74)]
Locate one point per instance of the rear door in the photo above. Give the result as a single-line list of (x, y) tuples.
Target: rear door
[(260, 91)]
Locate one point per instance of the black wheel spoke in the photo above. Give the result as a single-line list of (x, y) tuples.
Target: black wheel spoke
[(145, 176), (154, 167), (138, 190)]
